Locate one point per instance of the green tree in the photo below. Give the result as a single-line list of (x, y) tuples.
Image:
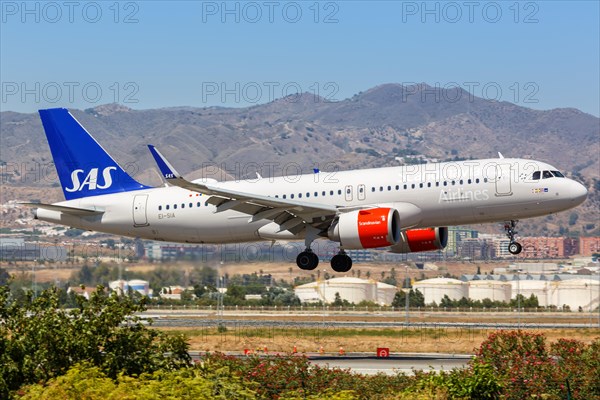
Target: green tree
[(40, 341)]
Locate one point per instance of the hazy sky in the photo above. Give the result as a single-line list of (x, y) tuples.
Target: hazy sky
[(146, 54)]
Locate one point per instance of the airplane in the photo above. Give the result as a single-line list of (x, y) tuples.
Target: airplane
[(401, 208)]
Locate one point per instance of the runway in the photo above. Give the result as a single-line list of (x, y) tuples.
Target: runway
[(369, 364), (394, 364)]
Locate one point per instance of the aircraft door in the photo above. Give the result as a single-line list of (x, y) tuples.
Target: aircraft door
[(140, 217), (503, 180), (348, 193), (362, 193)]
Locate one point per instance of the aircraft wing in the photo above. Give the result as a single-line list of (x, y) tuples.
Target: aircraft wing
[(288, 214)]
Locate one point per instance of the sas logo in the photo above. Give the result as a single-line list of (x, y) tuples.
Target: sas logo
[(91, 180)]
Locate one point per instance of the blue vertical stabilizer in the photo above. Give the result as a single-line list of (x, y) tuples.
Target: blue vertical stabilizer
[(84, 167)]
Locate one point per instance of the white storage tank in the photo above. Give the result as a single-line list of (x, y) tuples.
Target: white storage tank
[(527, 287), (140, 286), (489, 289), (354, 290), (435, 289), (385, 293), (575, 293)]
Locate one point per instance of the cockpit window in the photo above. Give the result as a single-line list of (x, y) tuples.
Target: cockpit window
[(557, 174), (536, 175), (547, 174)]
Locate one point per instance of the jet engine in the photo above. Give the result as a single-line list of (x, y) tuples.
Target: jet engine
[(366, 229), (427, 239)]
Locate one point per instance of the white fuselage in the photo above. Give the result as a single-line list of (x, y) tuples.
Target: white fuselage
[(427, 195)]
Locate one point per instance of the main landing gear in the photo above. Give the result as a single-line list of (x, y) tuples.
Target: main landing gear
[(308, 260), (514, 247)]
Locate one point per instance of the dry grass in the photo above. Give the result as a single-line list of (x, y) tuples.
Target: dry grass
[(429, 340)]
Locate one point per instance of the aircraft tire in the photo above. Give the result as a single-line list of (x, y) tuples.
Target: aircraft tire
[(341, 263), (515, 248), (307, 260)]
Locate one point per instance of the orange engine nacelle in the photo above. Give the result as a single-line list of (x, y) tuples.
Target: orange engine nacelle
[(427, 239), (366, 229)]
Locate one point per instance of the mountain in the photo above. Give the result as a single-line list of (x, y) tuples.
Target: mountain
[(305, 131)]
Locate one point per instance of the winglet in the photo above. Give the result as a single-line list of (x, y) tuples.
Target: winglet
[(500, 155), (166, 169)]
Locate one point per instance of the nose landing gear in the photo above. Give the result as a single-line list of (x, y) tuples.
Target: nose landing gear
[(514, 247)]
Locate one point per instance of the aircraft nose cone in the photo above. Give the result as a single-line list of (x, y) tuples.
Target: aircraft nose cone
[(578, 193)]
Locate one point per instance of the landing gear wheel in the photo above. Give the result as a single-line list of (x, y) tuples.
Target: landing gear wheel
[(515, 248), (341, 262), (307, 260)]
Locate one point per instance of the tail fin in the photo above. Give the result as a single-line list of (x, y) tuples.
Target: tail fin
[(84, 167)]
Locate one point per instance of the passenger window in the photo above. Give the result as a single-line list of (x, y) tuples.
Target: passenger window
[(198, 204), (485, 180), (389, 188), (316, 194), (381, 188), (159, 208), (307, 194), (405, 187), (372, 189), (299, 195), (453, 183), (285, 196), (412, 186), (291, 196), (331, 192), (445, 183), (174, 206), (323, 193), (421, 185), (397, 187), (348, 191), (437, 184), (428, 184), (477, 180), (191, 205), (469, 181), (182, 205), (546, 175), (167, 207), (339, 191)]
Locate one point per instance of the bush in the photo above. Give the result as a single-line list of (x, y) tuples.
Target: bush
[(525, 368), (40, 341)]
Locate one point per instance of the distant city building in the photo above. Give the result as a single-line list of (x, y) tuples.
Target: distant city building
[(589, 245), (17, 249)]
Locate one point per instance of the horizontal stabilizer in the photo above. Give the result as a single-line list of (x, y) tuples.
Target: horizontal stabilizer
[(65, 209)]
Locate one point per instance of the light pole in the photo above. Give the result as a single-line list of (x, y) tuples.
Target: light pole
[(407, 297)]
